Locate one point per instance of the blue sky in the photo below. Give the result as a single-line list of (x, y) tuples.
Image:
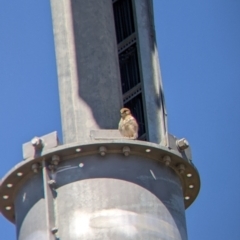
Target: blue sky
[(199, 48)]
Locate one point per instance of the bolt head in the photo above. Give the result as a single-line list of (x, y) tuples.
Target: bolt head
[(37, 142), (181, 168), (35, 167), (126, 151), (182, 144), (52, 182), (54, 230), (55, 160), (167, 160), (51, 167), (102, 153), (102, 150)]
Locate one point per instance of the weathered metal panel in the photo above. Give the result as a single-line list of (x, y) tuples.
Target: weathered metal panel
[(30, 210), (150, 71), (87, 63), (115, 197), (87, 177), (49, 195)]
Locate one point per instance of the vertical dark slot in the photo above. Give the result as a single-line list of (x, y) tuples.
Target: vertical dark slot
[(124, 22), (129, 68), (129, 60)]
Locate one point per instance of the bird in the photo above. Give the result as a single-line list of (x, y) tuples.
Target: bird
[(128, 125)]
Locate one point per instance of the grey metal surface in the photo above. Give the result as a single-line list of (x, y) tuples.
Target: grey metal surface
[(102, 197), (34, 204), (172, 144), (30, 210), (116, 197), (102, 212), (87, 63), (49, 195), (14, 181), (48, 141), (151, 75), (100, 185), (102, 134)]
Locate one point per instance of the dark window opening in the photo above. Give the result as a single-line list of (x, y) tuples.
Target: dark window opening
[(124, 22), (129, 68), (129, 62)]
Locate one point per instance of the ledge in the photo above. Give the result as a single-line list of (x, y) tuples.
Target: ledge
[(20, 173)]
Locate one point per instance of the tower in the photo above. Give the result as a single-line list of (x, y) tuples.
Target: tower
[(99, 185)]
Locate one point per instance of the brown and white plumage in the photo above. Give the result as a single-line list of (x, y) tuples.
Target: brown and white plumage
[(128, 125)]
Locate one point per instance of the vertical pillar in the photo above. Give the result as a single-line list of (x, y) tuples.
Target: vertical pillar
[(87, 63), (152, 83), (34, 204)]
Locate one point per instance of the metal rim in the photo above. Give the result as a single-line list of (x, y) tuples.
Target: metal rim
[(183, 167)]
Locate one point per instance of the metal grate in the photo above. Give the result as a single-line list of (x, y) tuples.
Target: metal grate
[(129, 68), (129, 61), (132, 93), (126, 43), (124, 22)]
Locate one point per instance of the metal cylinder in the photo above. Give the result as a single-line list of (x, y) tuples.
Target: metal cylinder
[(118, 198), (155, 111), (87, 195), (102, 197)]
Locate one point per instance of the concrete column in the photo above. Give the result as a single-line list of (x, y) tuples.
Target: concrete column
[(151, 75), (87, 63)]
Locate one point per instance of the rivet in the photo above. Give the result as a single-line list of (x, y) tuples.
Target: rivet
[(19, 174), (189, 175), (78, 150), (181, 168), (5, 197), (191, 186), (9, 185), (52, 183), (35, 167), (81, 164), (52, 167), (102, 150), (187, 198), (37, 142), (55, 160), (54, 230), (167, 160), (148, 150), (126, 151), (8, 208)]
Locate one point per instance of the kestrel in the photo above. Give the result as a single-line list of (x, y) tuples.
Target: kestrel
[(128, 125)]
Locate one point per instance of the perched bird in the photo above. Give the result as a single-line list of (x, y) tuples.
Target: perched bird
[(128, 125)]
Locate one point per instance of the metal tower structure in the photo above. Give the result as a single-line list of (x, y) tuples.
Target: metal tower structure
[(98, 184)]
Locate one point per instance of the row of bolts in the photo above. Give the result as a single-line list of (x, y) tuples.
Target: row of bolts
[(103, 150)]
